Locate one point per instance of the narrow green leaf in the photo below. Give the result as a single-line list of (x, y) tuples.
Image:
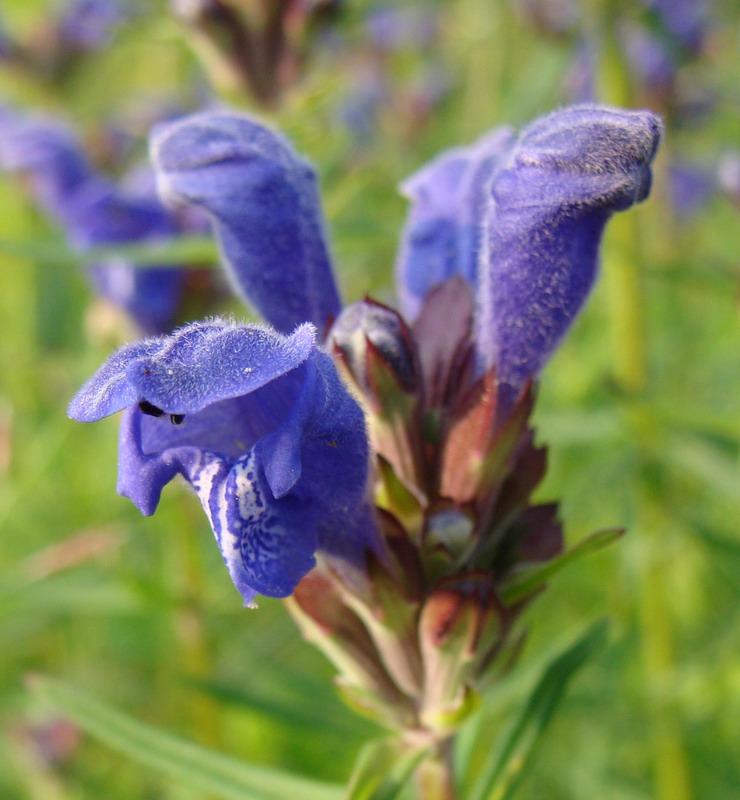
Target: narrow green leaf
[(185, 761), (312, 713), (196, 251), (383, 768), (508, 764), (527, 580)]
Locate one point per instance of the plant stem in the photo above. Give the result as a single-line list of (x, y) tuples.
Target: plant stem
[(625, 295), (435, 776), (622, 263)]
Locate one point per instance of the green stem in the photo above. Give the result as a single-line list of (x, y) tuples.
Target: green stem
[(623, 262), (435, 775), (626, 304), (671, 772)]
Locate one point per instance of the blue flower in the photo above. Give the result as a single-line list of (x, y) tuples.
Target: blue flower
[(263, 202), (261, 427), (549, 203), (522, 221), (443, 233), (93, 211)]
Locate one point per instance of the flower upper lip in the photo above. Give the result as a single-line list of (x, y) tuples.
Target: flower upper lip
[(165, 372), (206, 139)]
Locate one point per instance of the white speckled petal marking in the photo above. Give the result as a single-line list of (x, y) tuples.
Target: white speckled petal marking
[(267, 544)]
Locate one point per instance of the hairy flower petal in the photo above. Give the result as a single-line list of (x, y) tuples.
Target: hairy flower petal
[(263, 429), (443, 234), (566, 175), (263, 202), (195, 367)]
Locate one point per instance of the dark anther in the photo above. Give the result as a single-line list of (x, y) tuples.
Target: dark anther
[(177, 419), (147, 408)]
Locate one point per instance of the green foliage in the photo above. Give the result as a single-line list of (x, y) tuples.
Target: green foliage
[(383, 768), (508, 762), (208, 771)]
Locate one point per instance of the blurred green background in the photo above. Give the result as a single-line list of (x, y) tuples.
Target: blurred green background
[(639, 409)]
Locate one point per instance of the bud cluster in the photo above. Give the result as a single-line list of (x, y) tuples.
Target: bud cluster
[(453, 477)]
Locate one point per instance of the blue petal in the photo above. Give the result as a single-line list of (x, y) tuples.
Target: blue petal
[(443, 233), (203, 363), (142, 477), (280, 471), (109, 390), (268, 544), (564, 178), (264, 205), (195, 367)]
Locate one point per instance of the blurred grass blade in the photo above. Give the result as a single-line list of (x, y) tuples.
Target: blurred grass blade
[(383, 768), (312, 711), (508, 764), (528, 580), (200, 251), (202, 769)]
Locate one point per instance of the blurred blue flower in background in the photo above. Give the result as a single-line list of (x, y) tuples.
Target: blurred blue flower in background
[(90, 24), (93, 211)]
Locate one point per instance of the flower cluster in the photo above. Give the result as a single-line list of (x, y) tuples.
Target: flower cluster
[(394, 449)]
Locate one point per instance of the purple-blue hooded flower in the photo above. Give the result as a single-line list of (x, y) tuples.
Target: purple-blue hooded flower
[(521, 220), (262, 428), (442, 236), (264, 205), (92, 211), (549, 203)]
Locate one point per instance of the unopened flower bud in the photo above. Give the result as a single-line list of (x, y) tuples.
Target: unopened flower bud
[(366, 333)]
